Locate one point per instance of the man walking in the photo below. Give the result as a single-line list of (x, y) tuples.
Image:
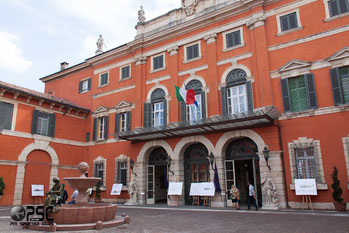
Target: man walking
[(251, 195)]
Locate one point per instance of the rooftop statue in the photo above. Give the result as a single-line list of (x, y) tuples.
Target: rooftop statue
[(141, 16)]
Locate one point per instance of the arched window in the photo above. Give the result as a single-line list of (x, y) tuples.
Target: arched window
[(155, 113), (192, 112), (236, 96)]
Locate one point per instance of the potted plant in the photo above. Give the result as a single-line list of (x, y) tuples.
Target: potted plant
[(98, 193), (2, 186), (338, 203)]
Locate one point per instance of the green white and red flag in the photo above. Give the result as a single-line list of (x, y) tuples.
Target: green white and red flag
[(188, 96)]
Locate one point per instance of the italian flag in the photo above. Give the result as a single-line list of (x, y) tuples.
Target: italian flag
[(188, 96)]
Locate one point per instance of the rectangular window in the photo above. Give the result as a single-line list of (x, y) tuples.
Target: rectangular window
[(192, 51), (288, 21), (193, 112), (100, 172), (101, 126), (125, 72), (158, 62), (237, 99), (344, 79), (123, 122), (6, 112), (122, 173), (233, 39), (103, 80), (43, 123), (306, 164), (158, 114), (85, 85), (298, 94), (337, 7)]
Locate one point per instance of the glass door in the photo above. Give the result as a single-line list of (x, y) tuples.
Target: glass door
[(229, 179), (150, 184)]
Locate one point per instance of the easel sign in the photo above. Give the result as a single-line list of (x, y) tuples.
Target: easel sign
[(175, 188), (305, 187), (38, 190), (202, 189), (116, 189)]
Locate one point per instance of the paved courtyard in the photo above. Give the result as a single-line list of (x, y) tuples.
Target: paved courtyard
[(194, 220)]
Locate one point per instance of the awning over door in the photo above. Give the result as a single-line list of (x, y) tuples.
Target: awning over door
[(260, 117)]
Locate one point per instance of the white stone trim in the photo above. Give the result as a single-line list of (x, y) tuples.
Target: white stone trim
[(38, 144), (163, 54), (242, 41), (235, 59), (345, 141), (157, 80), (193, 70), (314, 112), (185, 51), (286, 13), (233, 67), (100, 160), (156, 86), (120, 72), (196, 77), (123, 158), (14, 113), (310, 142), (112, 66), (117, 90), (316, 205)]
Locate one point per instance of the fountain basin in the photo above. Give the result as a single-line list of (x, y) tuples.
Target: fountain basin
[(81, 184), (88, 213)]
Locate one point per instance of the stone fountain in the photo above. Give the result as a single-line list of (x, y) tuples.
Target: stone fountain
[(83, 215)]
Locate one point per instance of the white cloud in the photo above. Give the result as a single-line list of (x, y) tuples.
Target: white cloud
[(12, 57)]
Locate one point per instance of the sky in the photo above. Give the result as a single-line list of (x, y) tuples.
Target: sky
[(37, 35)]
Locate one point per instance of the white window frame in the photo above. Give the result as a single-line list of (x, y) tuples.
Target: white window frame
[(321, 183), (43, 129), (122, 158), (101, 160), (83, 82), (157, 119), (14, 113), (100, 79), (185, 52), (129, 72), (101, 128), (123, 122), (152, 62), (300, 26), (328, 15), (345, 141), (197, 110), (242, 41), (230, 102)]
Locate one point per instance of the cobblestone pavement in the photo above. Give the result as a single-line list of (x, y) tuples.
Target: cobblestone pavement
[(196, 220)]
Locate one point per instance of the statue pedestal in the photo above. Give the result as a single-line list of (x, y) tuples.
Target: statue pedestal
[(130, 202), (270, 207)]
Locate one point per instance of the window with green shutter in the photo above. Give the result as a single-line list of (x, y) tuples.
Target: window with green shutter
[(344, 78), (298, 95), (43, 123), (6, 112)]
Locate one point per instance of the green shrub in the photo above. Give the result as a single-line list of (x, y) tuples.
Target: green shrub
[(337, 190), (98, 190), (2, 185)]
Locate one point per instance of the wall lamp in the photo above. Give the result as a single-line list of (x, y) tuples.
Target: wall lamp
[(266, 155), (132, 163), (210, 159), (169, 160)]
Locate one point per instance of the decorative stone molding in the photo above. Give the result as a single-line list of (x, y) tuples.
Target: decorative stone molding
[(340, 58), (173, 50), (122, 158), (295, 68), (210, 38), (102, 160), (256, 21), (100, 111), (140, 59)]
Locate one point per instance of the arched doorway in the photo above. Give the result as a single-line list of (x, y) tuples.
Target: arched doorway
[(196, 168), (37, 171), (242, 166), (157, 176)]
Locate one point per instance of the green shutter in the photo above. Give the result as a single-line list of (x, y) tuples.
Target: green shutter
[(224, 100), (35, 121), (95, 125), (147, 115), (80, 86), (298, 94), (165, 112), (344, 78), (310, 86), (106, 127), (117, 122), (87, 137), (285, 95), (336, 86), (203, 105), (52, 124), (89, 84), (128, 121), (183, 108), (6, 112), (249, 96)]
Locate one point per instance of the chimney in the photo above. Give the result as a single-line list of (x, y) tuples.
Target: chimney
[(64, 65)]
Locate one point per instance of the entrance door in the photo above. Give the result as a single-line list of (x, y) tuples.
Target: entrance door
[(150, 186), (196, 167)]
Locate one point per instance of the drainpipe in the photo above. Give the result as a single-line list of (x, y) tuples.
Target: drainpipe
[(283, 162)]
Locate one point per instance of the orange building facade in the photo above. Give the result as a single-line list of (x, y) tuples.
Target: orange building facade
[(269, 76)]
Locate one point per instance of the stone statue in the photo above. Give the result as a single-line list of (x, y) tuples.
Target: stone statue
[(55, 194), (132, 190), (141, 16), (189, 6), (100, 43), (269, 191)]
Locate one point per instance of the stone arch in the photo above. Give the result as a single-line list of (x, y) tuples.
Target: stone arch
[(37, 145), (156, 86), (184, 143), (193, 77), (233, 67), (226, 138)]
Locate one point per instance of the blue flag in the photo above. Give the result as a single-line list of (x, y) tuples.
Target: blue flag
[(216, 180), (165, 176)]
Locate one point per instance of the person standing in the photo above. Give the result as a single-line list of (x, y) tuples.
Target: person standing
[(235, 197), (251, 195)]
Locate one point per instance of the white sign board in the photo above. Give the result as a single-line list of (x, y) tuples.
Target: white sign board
[(202, 189), (116, 189), (305, 186), (37, 190), (175, 188)]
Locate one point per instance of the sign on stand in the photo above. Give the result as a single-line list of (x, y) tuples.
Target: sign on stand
[(116, 189), (175, 188), (202, 189), (305, 187), (38, 190)]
